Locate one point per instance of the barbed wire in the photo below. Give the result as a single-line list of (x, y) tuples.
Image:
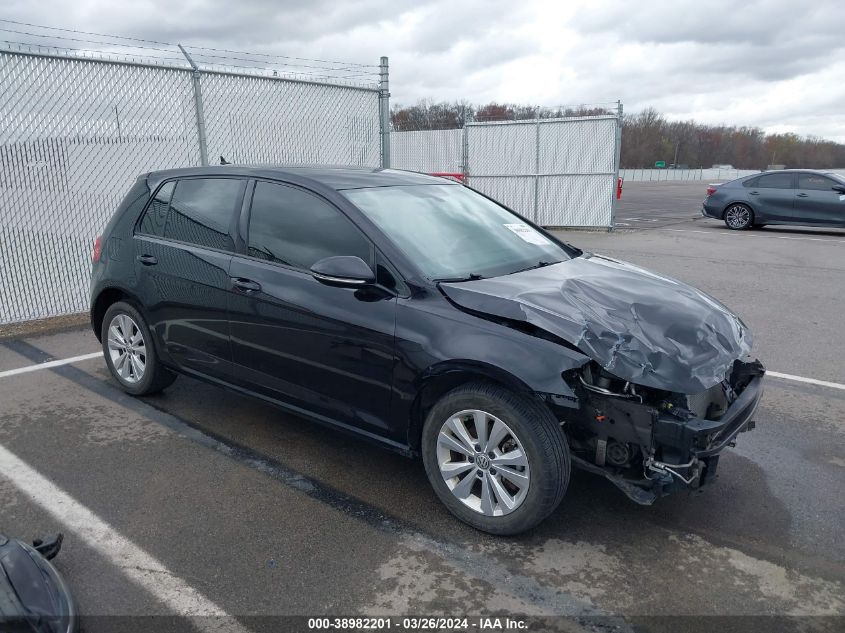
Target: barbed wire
[(272, 64), (84, 52)]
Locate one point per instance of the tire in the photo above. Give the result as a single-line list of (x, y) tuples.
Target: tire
[(739, 217), (132, 358), (527, 425)]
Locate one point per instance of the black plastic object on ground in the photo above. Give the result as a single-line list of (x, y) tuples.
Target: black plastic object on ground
[(33, 595)]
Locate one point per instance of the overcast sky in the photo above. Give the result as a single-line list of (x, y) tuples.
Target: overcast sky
[(774, 64)]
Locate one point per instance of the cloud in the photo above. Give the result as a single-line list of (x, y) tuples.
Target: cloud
[(774, 64)]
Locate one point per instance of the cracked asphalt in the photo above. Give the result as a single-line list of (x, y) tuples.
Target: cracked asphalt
[(267, 514)]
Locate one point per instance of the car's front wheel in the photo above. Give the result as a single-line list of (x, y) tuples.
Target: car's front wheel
[(498, 460), (739, 217), (129, 351)]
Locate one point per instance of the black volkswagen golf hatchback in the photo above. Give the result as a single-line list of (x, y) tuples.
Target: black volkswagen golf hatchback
[(420, 314)]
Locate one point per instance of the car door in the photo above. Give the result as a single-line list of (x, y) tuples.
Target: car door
[(817, 202), (183, 248), (328, 350), (772, 197)]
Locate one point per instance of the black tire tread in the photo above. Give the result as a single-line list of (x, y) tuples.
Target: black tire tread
[(545, 430), (156, 377)]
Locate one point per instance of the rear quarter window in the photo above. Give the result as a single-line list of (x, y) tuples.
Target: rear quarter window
[(156, 214)]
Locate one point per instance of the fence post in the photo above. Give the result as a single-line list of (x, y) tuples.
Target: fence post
[(537, 168), (195, 80), (465, 147), (384, 111), (617, 160)]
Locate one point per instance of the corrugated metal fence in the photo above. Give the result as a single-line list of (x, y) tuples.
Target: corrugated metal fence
[(76, 132), (557, 172)]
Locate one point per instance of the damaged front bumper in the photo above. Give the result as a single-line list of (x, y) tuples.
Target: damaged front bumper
[(650, 450)]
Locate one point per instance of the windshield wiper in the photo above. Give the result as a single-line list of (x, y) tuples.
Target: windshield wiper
[(539, 264), (469, 277)]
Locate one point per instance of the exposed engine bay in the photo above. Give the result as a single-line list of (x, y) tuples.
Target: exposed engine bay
[(651, 442)]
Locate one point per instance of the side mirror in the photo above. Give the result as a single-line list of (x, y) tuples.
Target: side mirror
[(345, 270), (839, 188)]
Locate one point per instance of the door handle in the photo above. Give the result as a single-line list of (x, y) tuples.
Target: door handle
[(803, 195), (754, 193), (245, 285), (148, 260)]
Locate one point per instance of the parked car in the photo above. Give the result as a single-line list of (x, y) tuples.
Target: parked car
[(789, 196), (417, 313)]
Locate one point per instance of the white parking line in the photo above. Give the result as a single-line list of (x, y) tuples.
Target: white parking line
[(48, 365), (811, 381), (745, 234), (136, 564)]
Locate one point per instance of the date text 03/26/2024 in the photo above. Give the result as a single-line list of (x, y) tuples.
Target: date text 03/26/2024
[(418, 624)]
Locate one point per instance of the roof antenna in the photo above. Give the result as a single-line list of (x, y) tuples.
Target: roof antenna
[(223, 161)]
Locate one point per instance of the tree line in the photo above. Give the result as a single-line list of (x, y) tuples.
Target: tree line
[(647, 136)]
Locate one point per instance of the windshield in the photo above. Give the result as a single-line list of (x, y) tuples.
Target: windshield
[(453, 233)]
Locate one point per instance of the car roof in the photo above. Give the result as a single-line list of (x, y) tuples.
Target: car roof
[(795, 171), (823, 172), (338, 178)]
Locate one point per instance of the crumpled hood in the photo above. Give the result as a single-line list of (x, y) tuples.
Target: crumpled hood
[(640, 326)]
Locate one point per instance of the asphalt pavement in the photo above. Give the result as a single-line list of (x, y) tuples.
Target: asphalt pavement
[(204, 503)]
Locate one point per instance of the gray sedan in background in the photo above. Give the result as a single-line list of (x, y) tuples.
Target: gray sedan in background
[(789, 196)]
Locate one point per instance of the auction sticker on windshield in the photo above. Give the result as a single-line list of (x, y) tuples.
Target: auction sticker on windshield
[(527, 233)]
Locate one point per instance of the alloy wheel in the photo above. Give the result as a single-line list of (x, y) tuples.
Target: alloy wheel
[(483, 462), (738, 217), (127, 348)]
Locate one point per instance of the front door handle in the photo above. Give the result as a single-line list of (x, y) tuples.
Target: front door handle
[(245, 285), (148, 260), (803, 195)]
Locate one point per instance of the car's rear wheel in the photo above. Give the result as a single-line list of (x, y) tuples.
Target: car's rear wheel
[(739, 217), (130, 353), (498, 460)]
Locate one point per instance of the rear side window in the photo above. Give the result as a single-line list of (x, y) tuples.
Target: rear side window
[(775, 181), (201, 210), (289, 226), (751, 182), (815, 182)]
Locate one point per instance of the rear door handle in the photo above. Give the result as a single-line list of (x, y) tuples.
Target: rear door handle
[(754, 193), (148, 260), (803, 195), (245, 285)]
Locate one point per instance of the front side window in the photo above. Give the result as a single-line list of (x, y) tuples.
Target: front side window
[(201, 210), (814, 182), (295, 228), (775, 181), (451, 232)]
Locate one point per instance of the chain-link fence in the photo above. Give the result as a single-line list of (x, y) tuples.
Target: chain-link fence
[(76, 132), (428, 151), (559, 171)]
